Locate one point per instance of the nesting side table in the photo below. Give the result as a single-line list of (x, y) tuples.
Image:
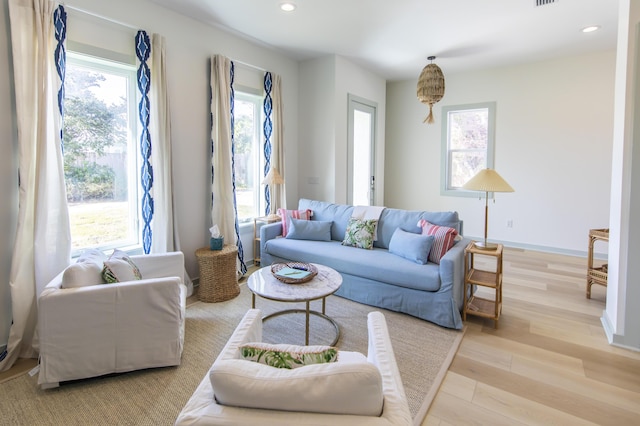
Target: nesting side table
[(218, 278), (257, 224), (472, 304)]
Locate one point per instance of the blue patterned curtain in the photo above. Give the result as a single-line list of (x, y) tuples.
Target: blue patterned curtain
[(267, 129), (143, 50), (243, 266), (60, 55)]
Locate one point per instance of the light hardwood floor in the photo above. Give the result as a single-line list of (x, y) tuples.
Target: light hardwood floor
[(548, 363)]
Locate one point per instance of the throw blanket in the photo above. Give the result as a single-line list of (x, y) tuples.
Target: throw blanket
[(368, 213)]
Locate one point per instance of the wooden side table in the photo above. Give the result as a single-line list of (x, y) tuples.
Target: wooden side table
[(263, 220), (472, 304), (600, 274), (218, 277)]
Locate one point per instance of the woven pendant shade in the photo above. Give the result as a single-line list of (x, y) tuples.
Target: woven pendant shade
[(430, 87)]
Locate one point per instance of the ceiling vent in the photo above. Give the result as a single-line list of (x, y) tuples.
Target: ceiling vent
[(544, 2)]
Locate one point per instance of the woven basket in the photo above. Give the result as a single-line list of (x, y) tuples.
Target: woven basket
[(218, 278), (313, 271)]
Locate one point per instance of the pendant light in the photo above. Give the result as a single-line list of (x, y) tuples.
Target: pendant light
[(430, 87)]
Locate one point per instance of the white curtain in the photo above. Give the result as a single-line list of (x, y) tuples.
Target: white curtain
[(222, 194), (42, 245), (164, 224), (278, 192)]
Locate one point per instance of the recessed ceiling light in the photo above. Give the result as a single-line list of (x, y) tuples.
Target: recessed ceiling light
[(591, 29), (288, 6)]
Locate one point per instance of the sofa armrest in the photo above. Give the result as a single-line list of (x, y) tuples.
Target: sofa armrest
[(62, 310), (380, 353), (270, 231), (248, 330), (452, 271)]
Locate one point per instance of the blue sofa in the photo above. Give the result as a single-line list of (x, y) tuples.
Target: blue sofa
[(378, 277)]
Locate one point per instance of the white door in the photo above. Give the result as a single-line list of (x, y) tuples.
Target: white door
[(361, 152)]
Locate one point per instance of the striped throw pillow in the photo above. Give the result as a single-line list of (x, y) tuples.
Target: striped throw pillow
[(286, 216), (444, 239)]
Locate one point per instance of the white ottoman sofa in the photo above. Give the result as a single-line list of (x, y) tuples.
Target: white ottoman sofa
[(327, 387)]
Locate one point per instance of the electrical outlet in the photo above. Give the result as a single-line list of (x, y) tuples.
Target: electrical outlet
[(510, 223)]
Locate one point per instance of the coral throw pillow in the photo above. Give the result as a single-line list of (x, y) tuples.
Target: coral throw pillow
[(444, 239), (286, 216)]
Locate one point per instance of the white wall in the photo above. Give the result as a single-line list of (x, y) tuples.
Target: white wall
[(316, 130), (325, 84), (190, 44), (554, 124)]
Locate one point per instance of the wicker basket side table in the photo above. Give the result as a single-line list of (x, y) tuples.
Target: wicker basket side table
[(218, 278)]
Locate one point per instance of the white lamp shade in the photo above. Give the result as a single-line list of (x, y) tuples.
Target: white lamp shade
[(273, 178), (487, 180)]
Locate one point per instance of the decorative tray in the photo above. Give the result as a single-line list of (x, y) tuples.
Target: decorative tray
[(294, 272)]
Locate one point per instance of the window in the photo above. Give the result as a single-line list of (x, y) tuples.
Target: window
[(100, 155), (467, 144), (248, 156)]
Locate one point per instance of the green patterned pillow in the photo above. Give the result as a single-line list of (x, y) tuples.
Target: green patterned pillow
[(288, 356), (360, 233), (120, 268)]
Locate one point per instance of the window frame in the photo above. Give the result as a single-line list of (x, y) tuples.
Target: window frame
[(106, 64), (246, 94), (446, 153)]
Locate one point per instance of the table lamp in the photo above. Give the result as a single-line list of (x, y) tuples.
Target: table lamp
[(272, 178), (487, 180)]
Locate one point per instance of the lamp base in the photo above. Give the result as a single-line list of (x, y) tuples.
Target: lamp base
[(483, 245)]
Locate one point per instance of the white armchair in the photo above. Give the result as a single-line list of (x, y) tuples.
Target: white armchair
[(203, 408), (97, 329)]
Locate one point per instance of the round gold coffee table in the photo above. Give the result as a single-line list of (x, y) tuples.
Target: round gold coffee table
[(328, 281)]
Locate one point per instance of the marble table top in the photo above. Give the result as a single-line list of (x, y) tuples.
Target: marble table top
[(264, 284)]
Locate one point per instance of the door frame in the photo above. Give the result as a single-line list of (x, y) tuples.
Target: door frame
[(371, 107)]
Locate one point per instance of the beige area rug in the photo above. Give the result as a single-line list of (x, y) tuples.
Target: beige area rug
[(155, 397)]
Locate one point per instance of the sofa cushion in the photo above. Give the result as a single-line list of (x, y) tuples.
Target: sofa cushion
[(286, 216), (287, 356), (338, 213), (360, 233), (120, 268), (376, 264), (337, 387), (317, 230), (445, 238), (92, 255), (414, 247), (82, 274), (86, 271)]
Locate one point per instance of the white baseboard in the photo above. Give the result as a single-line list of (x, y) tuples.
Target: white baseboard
[(545, 249)]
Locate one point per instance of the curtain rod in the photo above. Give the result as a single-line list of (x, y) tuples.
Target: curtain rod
[(95, 15)]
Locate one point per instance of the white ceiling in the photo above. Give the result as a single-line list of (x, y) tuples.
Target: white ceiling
[(393, 38)]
